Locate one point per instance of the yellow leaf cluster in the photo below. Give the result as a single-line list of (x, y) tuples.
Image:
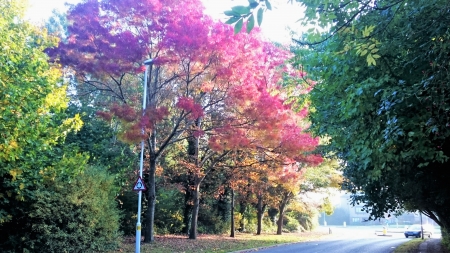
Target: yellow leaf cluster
[(57, 99), (14, 173)]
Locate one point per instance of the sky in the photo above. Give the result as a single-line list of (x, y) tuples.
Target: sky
[(273, 26)]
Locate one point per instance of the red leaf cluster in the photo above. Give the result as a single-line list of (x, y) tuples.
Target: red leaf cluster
[(124, 112), (152, 116), (204, 71), (187, 104)]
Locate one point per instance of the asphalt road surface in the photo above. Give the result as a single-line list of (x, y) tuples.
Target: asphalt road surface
[(369, 245), (347, 240)]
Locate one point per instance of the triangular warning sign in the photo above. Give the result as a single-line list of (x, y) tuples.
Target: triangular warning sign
[(139, 185)]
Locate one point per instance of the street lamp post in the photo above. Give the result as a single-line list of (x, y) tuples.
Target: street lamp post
[(147, 63)]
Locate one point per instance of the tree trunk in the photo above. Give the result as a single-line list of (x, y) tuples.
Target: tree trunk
[(151, 200), (193, 153), (280, 224), (242, 208), (260, 213), (222, 205), (195, 208), (187, 214), (151, 182), (281, 210), (232, 214)]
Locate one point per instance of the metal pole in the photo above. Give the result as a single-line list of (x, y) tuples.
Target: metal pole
[(141, 164), (421, 226)]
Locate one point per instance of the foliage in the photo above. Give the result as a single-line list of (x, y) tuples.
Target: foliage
[(169, 210), (32, 103), (128, 206), (292, 224), (98, 139), (382, 68), (327, 206), (77, 216), (45, 203), (192, 79), (238, 14)]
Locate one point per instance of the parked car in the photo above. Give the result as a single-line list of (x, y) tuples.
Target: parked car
[(415, 230)]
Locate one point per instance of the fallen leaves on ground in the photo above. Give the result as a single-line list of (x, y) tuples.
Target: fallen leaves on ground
[(217, 243)]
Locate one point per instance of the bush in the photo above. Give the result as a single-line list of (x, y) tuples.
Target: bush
[(307, 220), (211, 223), (77, 216), (292, 224), (170, 213), (268, 225), (445, 239)]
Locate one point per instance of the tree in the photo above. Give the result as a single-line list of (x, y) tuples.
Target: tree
[(382, 68), (107, 43), (286, 188), (32, 102), (34, 165), (104, 55), (209, 90)]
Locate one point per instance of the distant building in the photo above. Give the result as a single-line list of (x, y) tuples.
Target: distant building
[(354, 215)]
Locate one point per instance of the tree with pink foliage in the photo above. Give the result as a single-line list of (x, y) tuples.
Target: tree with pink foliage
[(217, 91)]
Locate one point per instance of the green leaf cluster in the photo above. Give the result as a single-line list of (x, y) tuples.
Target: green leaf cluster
[(239, 14)]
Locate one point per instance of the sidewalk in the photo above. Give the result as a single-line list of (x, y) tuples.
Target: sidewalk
[(432, 245)]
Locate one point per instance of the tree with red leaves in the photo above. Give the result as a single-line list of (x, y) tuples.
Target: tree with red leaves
[(107, 43), (216, 91)]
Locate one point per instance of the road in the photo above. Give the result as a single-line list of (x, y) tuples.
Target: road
[(348, 240)]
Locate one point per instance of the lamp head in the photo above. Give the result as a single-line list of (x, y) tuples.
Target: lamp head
[(148, 62)]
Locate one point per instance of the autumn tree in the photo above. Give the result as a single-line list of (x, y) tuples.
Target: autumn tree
[(208, 90), (391, 59), (106, 46), (189, 75), (285, 188)]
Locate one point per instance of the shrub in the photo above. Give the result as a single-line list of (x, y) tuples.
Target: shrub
[(445, 239), (170, 213), (292, 224), (211, 223), (77, 216)]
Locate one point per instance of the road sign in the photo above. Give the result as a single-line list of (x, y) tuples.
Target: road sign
[(139, 185)]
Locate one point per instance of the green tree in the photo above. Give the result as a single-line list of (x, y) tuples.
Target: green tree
[(99, 140), (382, 68), (46, 195), (32, 101)]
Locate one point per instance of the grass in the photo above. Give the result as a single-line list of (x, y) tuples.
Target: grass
[(217, 243), (410, 246)]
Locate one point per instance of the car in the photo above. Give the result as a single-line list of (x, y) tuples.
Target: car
[(415, 230)]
